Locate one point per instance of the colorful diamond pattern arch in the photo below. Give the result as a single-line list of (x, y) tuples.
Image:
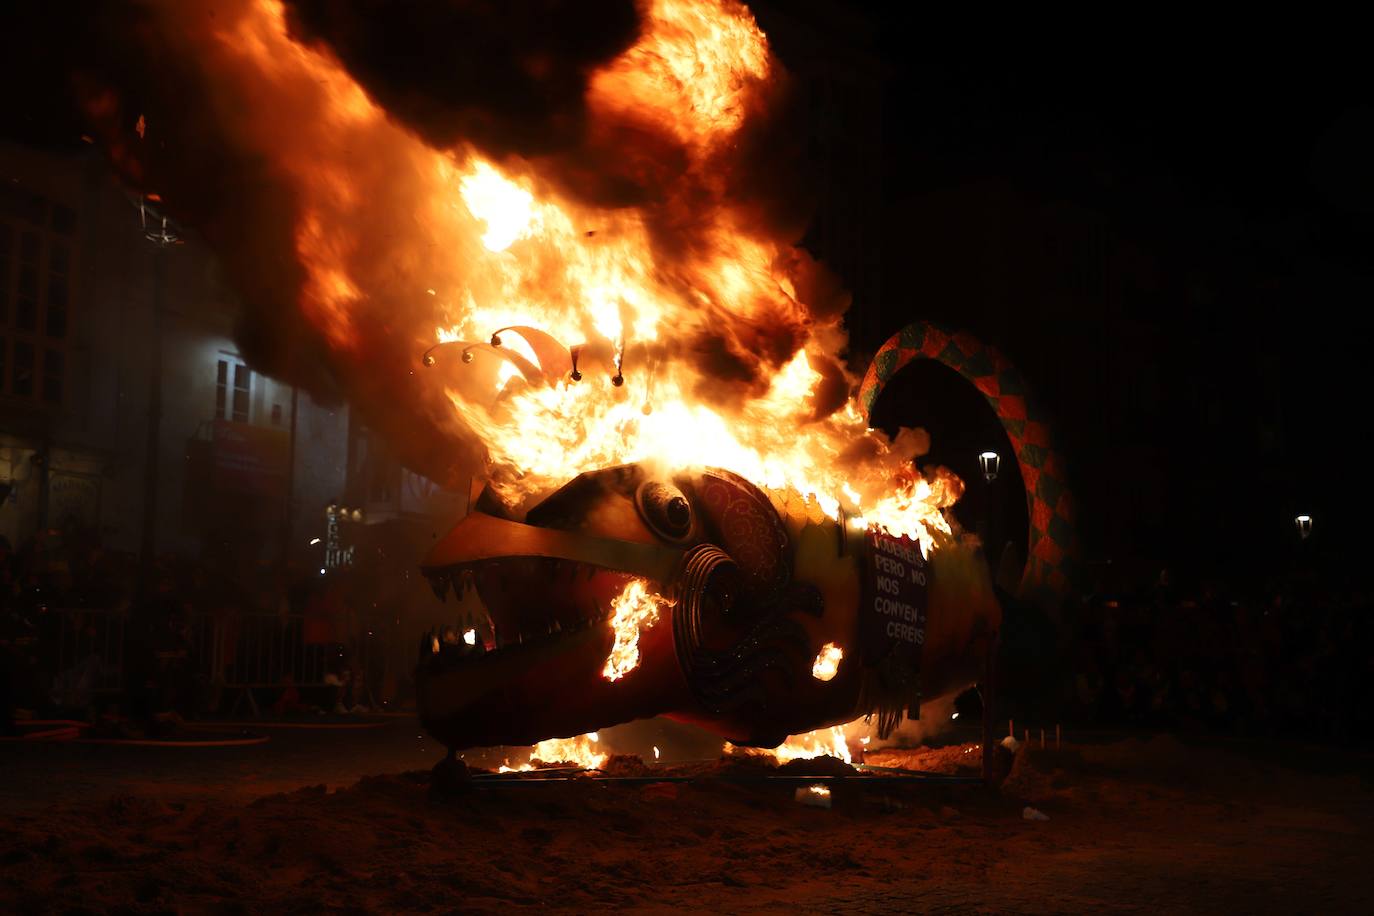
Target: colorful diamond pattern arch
[(1053, 564)]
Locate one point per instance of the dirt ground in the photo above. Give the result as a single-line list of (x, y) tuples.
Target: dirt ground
[(1146, 824)]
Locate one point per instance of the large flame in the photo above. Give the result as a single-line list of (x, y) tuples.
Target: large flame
[(698, 329)]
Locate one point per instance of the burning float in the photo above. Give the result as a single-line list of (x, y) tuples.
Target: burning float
[(592, 245)]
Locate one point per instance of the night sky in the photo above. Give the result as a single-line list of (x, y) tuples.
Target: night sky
[(1239, 164)]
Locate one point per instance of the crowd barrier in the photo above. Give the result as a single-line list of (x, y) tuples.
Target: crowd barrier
[(90, 651), (242, 653)]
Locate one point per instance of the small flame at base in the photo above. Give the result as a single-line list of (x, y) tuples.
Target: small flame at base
[(579, 751), (832, 742)]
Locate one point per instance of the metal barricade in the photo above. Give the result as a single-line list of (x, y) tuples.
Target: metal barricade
[(90, 652), (230, 651), (257, 651)]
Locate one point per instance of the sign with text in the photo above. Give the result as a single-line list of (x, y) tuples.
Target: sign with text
[(894, 603)]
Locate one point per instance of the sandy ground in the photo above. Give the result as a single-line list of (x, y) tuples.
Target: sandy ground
[(1141, 824)]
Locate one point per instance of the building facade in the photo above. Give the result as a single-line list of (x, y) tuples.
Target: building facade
[(126, 409)]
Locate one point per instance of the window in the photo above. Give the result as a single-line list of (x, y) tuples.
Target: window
[(26, 297), (56, 314), (63, 219), (232, 403), (242, 377), (6, 258), (221, 381), (37, 246), (23, 369), (52, 376)]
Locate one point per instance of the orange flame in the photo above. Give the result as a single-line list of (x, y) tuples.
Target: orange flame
[(819, 743), (822, 742), (827, 662), (635, 608), (493, 245), (834, 741), (580, 751)]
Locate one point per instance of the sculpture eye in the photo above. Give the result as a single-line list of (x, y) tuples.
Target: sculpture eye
[(665, 509)]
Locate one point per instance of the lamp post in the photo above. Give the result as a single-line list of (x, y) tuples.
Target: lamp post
[(162, 235), (335, 553), (988, 463), (1304, 526)]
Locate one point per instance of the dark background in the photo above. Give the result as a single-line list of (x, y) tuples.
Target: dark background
[(1166, 230), (1165, 224)]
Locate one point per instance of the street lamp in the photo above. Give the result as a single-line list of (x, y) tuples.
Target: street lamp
[(162, 234), (1304, 523), (988, 463)]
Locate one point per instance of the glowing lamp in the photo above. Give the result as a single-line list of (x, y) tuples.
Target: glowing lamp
[(470, 637), (988, 463), (1304, 523)]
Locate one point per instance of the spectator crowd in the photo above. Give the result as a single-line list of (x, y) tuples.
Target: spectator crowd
[(1294, 659), (86, 633)]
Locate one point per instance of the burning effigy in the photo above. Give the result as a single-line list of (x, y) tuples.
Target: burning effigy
[(563, 250), (636, 591)]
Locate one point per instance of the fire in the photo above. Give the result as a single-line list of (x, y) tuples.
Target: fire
[(819, 743), (505, 207), (694, 69), (633, 609), (703, 336), (827, 662), (580, 751), (833, 741)]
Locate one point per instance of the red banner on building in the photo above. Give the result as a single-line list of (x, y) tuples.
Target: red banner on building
[(250, 459)]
